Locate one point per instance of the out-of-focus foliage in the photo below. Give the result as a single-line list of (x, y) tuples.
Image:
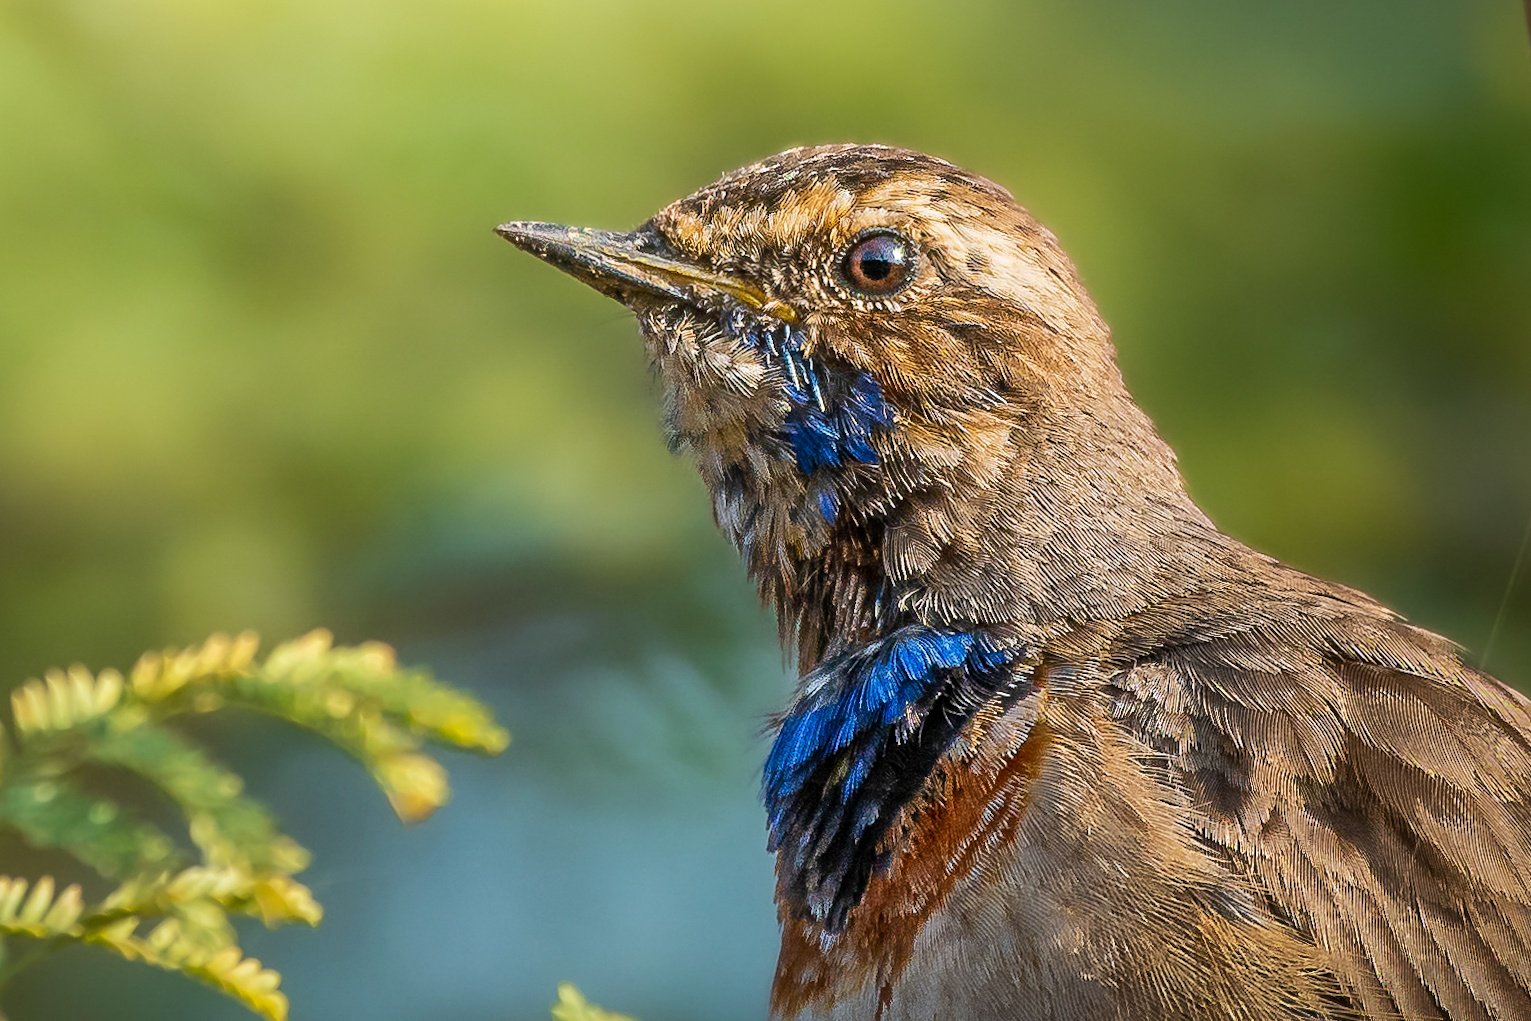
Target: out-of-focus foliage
[(263, 363), (572, 1006), (165, 903)]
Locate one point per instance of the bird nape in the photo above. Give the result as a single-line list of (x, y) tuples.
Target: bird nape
[(1060, 748)]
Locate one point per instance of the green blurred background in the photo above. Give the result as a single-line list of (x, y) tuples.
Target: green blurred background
[(263, 364)]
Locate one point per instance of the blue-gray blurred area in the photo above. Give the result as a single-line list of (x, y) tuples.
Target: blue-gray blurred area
[(264, 364)]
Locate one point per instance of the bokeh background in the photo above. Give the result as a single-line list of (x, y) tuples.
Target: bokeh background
[(263, 364)]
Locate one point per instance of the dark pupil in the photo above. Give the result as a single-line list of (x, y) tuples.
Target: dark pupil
[(878, 262), (878, 259)]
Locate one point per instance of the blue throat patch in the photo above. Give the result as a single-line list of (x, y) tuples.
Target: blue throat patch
[(860, 742), (832, 415)]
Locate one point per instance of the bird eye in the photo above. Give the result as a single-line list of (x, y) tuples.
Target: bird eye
[(878, 264)]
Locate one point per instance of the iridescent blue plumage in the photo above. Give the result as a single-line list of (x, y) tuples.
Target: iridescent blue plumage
[(862, 691), (870, 724), (832, 414)]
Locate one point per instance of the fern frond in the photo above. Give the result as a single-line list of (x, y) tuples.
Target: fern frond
[(414, 783), (227, 827), (38, 911), (162, 912), (35, 910), (227, 970), (356, 697), (275, 899), (360, 701), (370, 672), (63, 699), (158, 676), (100, 833)]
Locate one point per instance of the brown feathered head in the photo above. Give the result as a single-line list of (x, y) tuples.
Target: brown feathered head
[(872, 355)]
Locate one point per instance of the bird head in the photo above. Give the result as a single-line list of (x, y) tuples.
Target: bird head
[(874, 357)]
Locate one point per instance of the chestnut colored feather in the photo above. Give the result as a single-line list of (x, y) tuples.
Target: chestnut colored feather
[(1061, 750)]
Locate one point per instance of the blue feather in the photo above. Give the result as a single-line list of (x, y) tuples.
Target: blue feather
[(813, 438), (836, 434), (869, 691), (829, 505), (855, 776)]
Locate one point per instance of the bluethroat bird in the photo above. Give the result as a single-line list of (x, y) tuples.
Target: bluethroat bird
[(1060, 748)]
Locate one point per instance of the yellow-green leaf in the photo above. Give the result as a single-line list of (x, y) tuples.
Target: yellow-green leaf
[(572, 1006)]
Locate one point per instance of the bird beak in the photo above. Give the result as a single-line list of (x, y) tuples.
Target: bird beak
[(625, 266)]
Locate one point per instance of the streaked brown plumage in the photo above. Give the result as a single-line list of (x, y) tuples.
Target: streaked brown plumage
[(1062, 749)]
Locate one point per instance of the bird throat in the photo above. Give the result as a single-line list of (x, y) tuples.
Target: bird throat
[(832, 413), (886, 694)]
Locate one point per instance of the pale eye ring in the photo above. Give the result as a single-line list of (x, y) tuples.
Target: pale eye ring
[(878, 263)]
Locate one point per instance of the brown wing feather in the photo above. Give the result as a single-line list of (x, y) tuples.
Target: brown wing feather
[(1375, 788)]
